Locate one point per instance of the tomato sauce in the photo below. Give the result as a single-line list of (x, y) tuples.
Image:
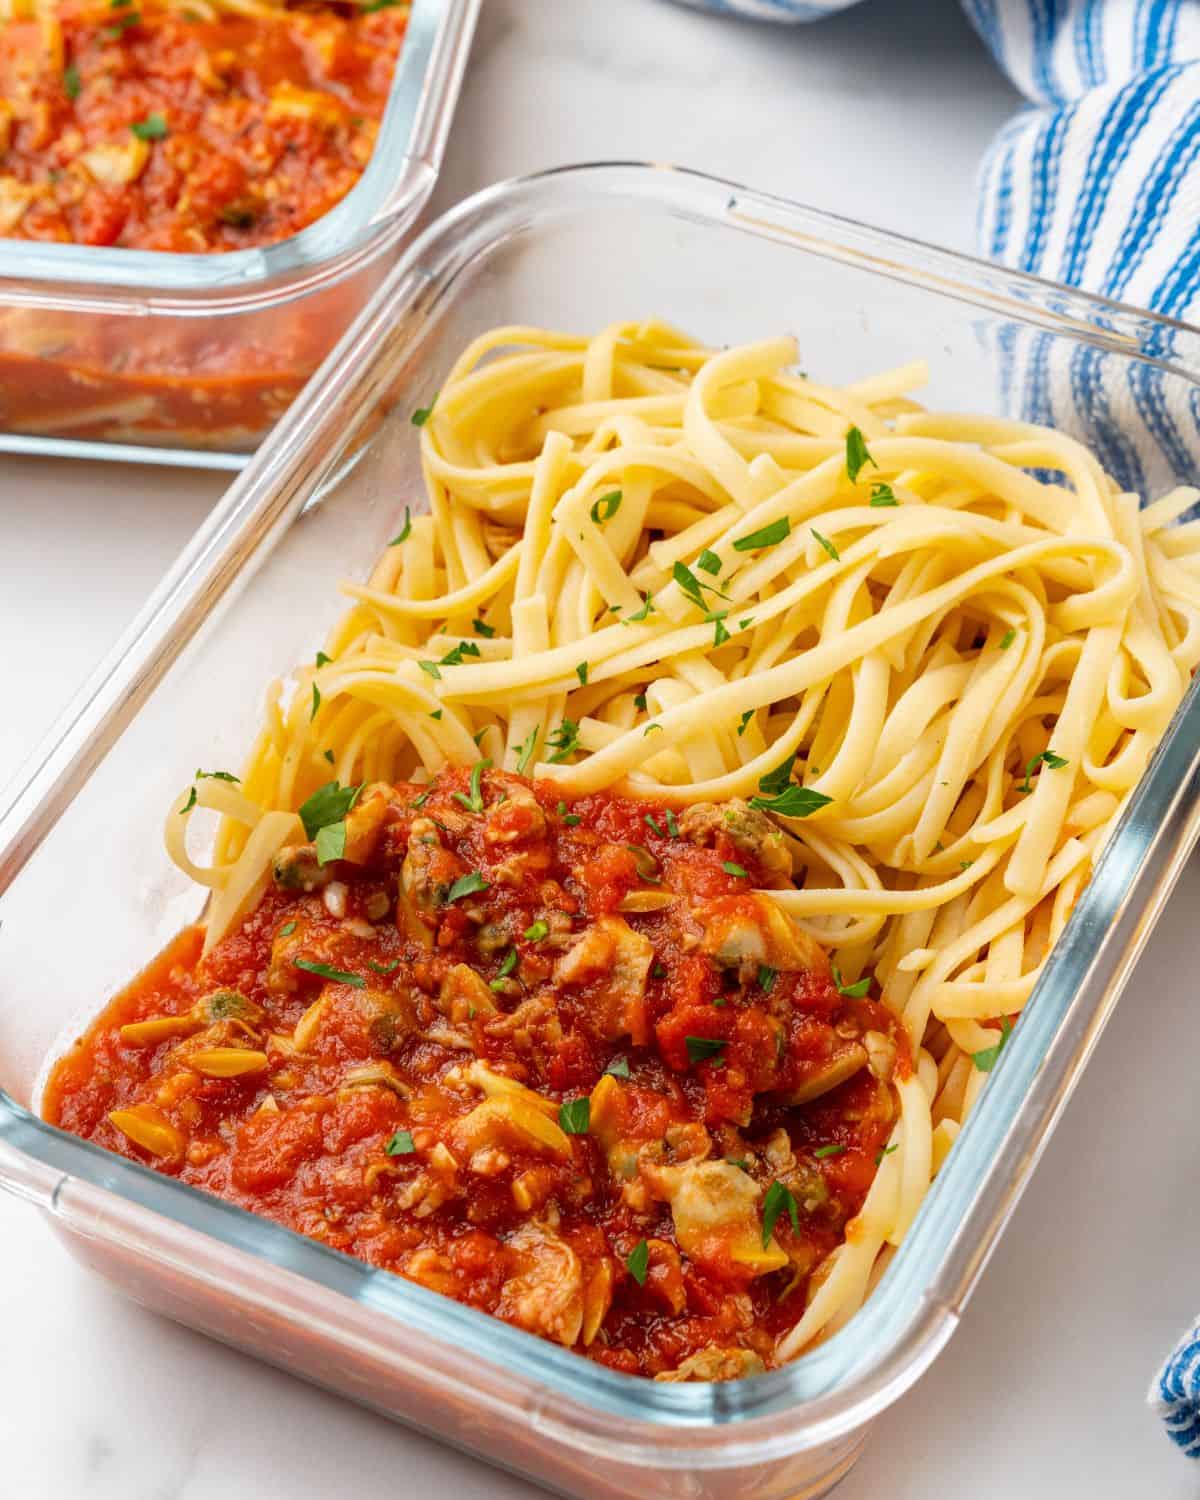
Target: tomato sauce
[(566, 1063)]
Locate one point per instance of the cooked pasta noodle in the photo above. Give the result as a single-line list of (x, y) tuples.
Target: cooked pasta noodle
[(948, 644)]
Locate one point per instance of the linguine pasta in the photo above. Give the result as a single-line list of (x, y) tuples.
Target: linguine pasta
[(938, 648)]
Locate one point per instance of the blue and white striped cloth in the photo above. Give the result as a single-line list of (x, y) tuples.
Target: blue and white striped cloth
[(1095, 183)]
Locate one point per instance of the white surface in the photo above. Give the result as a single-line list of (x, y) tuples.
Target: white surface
[(882, 114)]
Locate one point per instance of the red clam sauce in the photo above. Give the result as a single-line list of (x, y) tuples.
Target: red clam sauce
[(566, 1063)]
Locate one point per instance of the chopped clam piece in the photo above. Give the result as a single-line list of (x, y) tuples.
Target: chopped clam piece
[(844, 1064), (597, 1299), (644, 900), (716, 1212), (716, 1364), (116, 162), (149, 1129), (227, 1062), (376, 1075), (881, 1054), (228, 1005), (611, 950), (509, 1119), (546, 1294), (297, 868), (497, 1085), (309, 1024), (750, 832), (464, 995)]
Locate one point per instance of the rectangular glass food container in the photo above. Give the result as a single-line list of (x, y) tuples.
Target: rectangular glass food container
[(256, 590), (165, 358)]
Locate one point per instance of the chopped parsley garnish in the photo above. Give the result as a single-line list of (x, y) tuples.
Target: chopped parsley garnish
[(1042, 758), (190, 803), (777, 1200), (887, 1151), (153, 127), (701, 1047), (645, 612), (881, 494), (779, 779), (401, 1144), (650, 728), (1007, 638), (827, 544), (985, 1060), (709, 562), (731, 869), (422, 797), (453, 657), (525, 751), (316, 703), (505, 969), (766, 978), (637, 1262), (329, 804), (720, 634), (405, 531), (122, 24), (793, 802), (619, 1067), (537, 931), (564, 741), (744, 720), (322, 659), (423, 413), (965, 864), (478, 736), (659, 971), (689, 583), (72, 83), (857, 456), (574, 1115), (639, 701), (648, 819), (435, 713), (331, 842), (672, 824), (765, 536), (481, 627), (738, 1161), (327, 971), (823, 1151), (854, 991), (383, 968), (581, 672), (466, 885), (572, 820), (218, 776), (606, 507), (287, 929), (473, 801), (431, 667)]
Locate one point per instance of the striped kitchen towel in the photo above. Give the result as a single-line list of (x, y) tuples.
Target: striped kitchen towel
[(1096, 183)]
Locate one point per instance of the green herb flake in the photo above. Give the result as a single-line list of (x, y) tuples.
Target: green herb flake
[(114, 32), (574, 1115), (423, 413), (650, 728), (778, 1199), (639, 701), (153, 127), (855, 991), (720, 633), (881, 494), (700, 1048), (422, 798), (1007, 638), (466, 885), (383, 968), (644, 613), (731, 869), (581, 672), (218, 776), (331, 843), (824, 1151), (329, 804), (637, 1262), (778, 780), (431, 667), (473, 801), (505, 969), (618, 1068), (401, 1144), (537, 931), (793, 802), (672, 824), (606, 507), (887, 1151), (985, 1060), (648, 819), (659, 971), (564, 742), (745, 719), (435, 713), (481, 627), (525, 751), (738, 1161), (709, 562), (72, 83), (827, 544), (689, 583), (572, 820), (190, 803), (1042, 758), (405, 531), (766, 978), (327, 971), (857, 456), (287, 929), (316, 703), (767, 536)]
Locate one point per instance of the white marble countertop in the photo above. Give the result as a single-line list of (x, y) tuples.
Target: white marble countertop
[(883, 114)]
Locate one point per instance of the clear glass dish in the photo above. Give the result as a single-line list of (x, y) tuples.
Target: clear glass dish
[(158, 357), (255, 590)]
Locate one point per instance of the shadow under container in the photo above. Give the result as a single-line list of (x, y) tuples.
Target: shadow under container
[(191, 359), (255, 591)]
